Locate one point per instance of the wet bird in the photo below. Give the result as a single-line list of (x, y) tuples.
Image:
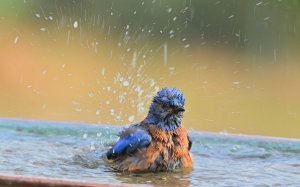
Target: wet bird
[(159, 142)]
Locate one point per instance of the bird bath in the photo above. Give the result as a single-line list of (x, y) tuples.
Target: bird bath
[(73, 151)]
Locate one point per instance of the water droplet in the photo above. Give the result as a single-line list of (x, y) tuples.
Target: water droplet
[(187, 46), (16, 39), (91, 94), (125, 83), (98, 112), (75, 24), (259, 3), (130, 118)]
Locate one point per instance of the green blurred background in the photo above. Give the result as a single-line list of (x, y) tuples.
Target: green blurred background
[(102, 61)]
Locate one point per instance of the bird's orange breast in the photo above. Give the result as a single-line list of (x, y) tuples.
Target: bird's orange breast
[(171, 145), (167, 151)]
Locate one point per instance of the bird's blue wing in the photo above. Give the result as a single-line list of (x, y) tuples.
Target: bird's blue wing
[(131, 139)]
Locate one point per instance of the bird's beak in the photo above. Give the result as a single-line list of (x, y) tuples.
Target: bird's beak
[(179, 109)]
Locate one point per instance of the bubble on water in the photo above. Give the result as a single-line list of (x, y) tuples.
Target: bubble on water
[(43, 29), (92, 146), (231, 16), (38, 15), (75, 24), (236, 82), (174, 19), (50, 18), (99, 134), (266, 18), (131, 118), (85, 135), (169, 10), (235, 148)]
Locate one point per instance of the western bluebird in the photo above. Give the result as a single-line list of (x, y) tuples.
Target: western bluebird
[(159, 142)]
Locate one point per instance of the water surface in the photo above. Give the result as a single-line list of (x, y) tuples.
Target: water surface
[(74, 151)]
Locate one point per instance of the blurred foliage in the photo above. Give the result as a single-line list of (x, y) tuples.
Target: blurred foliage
[(103, 60), (236, 24)]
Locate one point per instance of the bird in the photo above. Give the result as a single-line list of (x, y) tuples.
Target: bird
[(159, 142)]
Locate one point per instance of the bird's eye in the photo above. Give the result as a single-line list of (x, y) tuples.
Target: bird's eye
[(167, 108)]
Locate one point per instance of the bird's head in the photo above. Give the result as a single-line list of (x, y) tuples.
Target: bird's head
[(166, 110)]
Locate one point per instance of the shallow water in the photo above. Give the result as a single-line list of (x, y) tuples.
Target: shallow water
[(73, 151)]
